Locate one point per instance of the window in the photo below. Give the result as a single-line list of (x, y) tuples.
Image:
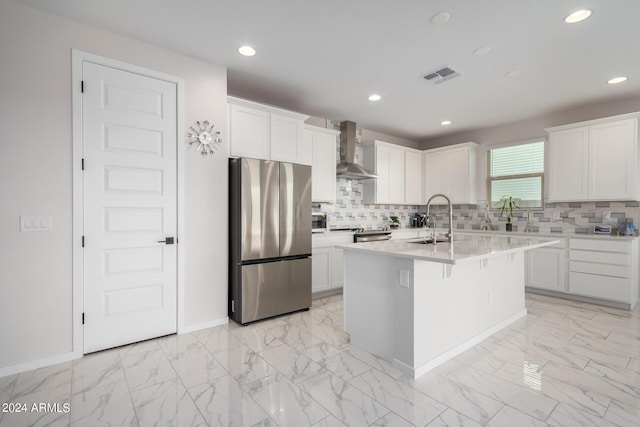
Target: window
[(517, 171)]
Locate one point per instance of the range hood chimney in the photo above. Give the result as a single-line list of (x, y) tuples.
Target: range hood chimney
[(348, 168)]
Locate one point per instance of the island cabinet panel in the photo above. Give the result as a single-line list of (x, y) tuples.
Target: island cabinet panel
[(418, 314), (264, 132), (596, 160), (451, 171), (323, 144)]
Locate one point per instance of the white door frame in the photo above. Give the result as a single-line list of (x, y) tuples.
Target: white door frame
[(77, 58)]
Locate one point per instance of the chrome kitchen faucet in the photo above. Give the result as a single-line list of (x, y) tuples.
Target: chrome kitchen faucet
[(433, 232)]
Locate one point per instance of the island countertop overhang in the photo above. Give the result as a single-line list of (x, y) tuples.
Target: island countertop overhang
[(465, 247)]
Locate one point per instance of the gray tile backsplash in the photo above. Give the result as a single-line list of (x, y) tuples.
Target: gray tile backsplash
[(352, 212), (574, 217)]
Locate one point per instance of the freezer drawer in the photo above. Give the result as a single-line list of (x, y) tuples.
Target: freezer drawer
[(274, 288)]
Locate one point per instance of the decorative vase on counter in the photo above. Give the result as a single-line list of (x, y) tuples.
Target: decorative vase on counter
[(509, 225), (627, 229)]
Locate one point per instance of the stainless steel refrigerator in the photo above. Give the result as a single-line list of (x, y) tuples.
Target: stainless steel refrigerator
[(269, 238)]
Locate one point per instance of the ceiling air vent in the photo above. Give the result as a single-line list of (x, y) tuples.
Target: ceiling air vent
[(441, 75)]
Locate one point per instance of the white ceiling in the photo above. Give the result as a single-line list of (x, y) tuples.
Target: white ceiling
[(324, 58)]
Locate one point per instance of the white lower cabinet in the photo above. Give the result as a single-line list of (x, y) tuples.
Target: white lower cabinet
[(546, 269), (321, 277), (327, 261), (594, 268), (604, 269)]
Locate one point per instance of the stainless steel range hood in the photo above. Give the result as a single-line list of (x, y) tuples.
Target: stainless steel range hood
[(348, 168)]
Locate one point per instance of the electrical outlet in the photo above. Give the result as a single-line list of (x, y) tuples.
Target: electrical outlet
[(404, 278)]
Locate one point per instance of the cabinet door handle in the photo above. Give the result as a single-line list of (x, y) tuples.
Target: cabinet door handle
[(167, 241)]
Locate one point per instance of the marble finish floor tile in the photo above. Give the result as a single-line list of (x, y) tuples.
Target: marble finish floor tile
[(32, 413), (285, 402), (41, 379), (509, 417), (291, 363), (451, 418), (167, 403), (412, 405), (103, 406), (459, 396), (344, 401), (145, 369), (96, 370), (567, 363), (224, 403)]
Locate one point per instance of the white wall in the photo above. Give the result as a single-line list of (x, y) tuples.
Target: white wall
[(36, 170)]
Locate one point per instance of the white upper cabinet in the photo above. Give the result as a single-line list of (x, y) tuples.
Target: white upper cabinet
[(248, 132), (451, 171), (323, 145), (567, 170), (287, 140), (264, 132), (596, 160), (413, 177), (613, 160), (387, 160)]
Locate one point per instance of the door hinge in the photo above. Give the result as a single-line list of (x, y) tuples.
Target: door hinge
[(83, 318), (82, 164), (233, 306), (82, 86), (83, 241)]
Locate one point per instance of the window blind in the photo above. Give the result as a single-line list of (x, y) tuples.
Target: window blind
[(517, 171)]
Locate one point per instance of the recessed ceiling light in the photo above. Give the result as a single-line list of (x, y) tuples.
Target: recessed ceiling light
[(446, 123), (247, 51), (512, 74), (577, 16), (440, 18), (616, 80), (375, 97), (482, 50)]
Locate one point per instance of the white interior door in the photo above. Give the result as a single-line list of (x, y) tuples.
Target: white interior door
[(130, 206)]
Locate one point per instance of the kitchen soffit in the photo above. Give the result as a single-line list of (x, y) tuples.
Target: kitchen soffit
[(324, 58)]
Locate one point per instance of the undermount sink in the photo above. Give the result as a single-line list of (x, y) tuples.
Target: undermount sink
[(429, 240)]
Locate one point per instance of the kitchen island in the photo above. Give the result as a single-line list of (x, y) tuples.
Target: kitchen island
[(418, 305)]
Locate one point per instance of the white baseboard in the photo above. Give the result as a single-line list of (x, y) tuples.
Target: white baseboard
[(453, 352), (40, 363), (204, 325), (65, 357)]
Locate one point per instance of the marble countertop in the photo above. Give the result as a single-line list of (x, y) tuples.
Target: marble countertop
[(465, 246), (497, 233)]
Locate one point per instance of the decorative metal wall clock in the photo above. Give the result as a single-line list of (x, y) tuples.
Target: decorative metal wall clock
[(208, 141)]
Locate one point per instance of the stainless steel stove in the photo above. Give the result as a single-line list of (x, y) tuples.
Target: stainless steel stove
[(363, 235)]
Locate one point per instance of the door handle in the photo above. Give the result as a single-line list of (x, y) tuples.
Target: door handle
[(167, 241)]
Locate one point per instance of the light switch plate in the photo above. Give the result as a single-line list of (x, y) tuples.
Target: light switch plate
[(35, 223)]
